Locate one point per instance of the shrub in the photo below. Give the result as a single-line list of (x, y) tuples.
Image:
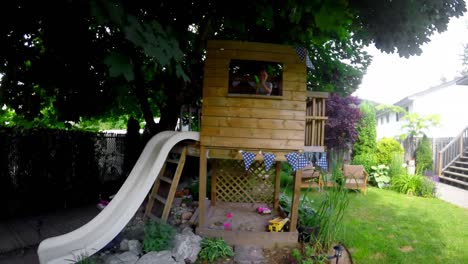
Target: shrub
[(343, 115), (424, 155), (365, 159), (366, 128), (396, 166), (379, 175), (413, 185), (386, 148), (214, 248), (158, 236), (286, 179)]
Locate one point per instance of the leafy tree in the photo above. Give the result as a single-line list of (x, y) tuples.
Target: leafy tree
[(92, 59), (366, 128), (343, 115), (387, 148), (424, 155)]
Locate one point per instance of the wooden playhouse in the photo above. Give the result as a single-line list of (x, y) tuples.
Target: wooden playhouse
[(236, 119)]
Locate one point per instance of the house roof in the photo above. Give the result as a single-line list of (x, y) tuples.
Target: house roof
[(458, 81), (405, 101)]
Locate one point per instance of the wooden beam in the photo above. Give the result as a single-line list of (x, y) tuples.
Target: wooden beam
[(202, 187), (214, 171), (312, 94), (295, 200), (277, 184), (314, 149)]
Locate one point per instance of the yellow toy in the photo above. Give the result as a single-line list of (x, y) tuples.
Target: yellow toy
[(277, 224)]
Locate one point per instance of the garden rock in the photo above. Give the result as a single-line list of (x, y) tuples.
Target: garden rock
[(161, 257), (186, 215), (124, 245), (124, 258), (248, 255), (135, 247), (186, 245)]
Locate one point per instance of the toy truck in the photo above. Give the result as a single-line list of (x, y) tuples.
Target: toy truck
[(277, 224)]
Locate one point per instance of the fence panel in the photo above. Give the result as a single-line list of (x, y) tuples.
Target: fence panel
[(43, 170)]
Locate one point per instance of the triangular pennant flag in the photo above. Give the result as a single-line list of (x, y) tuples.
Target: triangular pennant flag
[(322, 162), (302, 161), (292, 158), (303, 55), (296, 160), (268, 160), (249, 158)]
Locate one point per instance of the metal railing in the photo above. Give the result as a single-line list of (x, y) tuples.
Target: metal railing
[(452, 151)]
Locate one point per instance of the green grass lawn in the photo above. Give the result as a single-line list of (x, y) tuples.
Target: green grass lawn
[(387, 227)]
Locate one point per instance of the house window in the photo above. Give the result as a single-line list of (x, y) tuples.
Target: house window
[(397, 117), (387, 117)]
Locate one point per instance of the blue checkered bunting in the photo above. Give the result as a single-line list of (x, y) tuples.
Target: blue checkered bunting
[(322, 162), (296, 160), (249, 158), (302, 161), (292, 158), (268, 160), (303, 55)]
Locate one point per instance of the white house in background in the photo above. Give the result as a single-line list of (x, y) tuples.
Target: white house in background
[(449, 100)]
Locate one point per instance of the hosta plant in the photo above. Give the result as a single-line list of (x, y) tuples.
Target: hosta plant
[(379, 175)]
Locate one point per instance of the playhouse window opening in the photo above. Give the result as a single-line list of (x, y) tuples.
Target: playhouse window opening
[(259, 78)]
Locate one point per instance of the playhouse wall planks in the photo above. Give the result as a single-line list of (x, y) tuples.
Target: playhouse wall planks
[(249, 121)]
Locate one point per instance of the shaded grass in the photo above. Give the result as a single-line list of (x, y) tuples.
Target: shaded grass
[(387, 227)]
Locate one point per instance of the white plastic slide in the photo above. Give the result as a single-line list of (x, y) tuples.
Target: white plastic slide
[(96, 234)]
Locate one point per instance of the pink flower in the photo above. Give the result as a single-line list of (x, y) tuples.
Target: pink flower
[(229, 215), (227, 225)]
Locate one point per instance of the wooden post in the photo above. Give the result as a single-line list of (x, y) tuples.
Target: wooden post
[(202, 187), (295, 199), (214, 172), (277, 185), (439, 169), (461, 145)]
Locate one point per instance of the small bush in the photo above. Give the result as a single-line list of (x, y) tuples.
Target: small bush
[(366, 159), (386, 148), (413, 185), (158, 236), (396, 166), (424, 155), (213, 249)]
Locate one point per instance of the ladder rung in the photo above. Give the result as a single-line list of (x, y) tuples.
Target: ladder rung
[(159, 198), (153, 217), (166, 179), (173, 161)]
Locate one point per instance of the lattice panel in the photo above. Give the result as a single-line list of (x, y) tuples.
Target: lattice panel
[(235, 184)]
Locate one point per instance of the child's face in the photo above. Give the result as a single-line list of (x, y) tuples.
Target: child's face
[(263, 75)]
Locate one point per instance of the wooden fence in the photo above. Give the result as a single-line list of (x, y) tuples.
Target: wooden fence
[(436, 143)]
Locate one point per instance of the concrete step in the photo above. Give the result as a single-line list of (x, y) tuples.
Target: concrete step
[(454, 181), (465, 176)]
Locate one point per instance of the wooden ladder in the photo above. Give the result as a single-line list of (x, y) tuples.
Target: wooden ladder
[(157, 193)]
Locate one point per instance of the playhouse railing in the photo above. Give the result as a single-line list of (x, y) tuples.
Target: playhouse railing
[(315, 121), (452, 151)]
